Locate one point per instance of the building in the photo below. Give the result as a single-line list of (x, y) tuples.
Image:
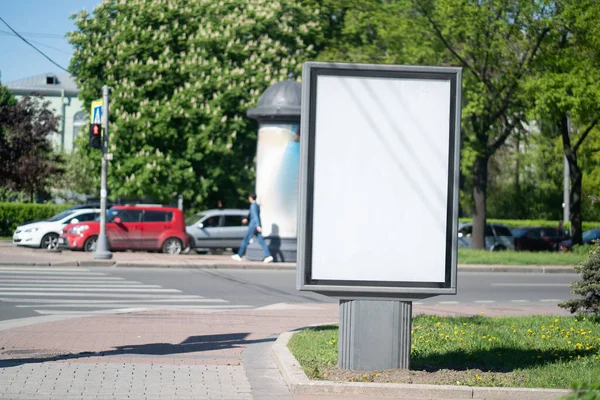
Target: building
[(61, 91)]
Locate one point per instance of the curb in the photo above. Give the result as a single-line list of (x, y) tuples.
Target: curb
[(539, 269), (127, 264), (299, 383)]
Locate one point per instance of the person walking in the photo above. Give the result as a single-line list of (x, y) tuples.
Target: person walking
[(254, 228)]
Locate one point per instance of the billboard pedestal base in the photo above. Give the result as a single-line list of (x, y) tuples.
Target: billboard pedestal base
[(374, 334), (282, 250)]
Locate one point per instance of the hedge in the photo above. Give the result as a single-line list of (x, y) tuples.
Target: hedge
[(516, 223), (14, 214)]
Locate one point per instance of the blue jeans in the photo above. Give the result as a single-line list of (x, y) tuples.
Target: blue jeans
[(249, 233)]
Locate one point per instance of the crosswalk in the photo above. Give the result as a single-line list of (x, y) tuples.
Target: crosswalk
[(52, 291)]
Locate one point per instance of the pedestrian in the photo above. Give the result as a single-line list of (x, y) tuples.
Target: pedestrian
[(254, 228)]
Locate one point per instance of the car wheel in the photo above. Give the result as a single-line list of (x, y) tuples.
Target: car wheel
[(234, 250), (172, 246), (499, 248), (90, 244), (50, 241)]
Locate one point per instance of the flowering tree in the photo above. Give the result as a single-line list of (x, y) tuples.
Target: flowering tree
[(183, 75)]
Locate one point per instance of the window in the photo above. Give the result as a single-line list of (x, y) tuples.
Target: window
[(211, 222), (87, 217), (60, 216), (194, 219), (466, 231), (157, 216), (534, 234), (51, 80), (233, 220), (131, 216), (501, 231), (79, 121)]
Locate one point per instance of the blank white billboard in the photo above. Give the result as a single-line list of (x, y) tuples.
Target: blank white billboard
[(379, 178)]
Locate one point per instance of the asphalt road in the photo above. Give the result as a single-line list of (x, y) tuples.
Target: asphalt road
[(27, 291)]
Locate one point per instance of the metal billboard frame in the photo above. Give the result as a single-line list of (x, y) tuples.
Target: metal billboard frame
[(374, 289)]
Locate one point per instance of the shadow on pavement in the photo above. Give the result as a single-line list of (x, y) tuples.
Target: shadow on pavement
[(190, 345)]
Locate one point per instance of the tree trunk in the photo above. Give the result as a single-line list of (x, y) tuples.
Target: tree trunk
[(480, 174), (575, 176)]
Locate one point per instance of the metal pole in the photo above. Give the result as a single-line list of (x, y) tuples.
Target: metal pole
[(566, 179), (102, 250)]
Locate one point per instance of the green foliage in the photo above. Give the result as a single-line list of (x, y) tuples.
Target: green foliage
[(588, 287), (183, 75), (584, 391), (15, 214), (6, 97), (82, 169)]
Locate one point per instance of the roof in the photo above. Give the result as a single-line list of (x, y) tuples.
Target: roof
[(280, 101), (41, 84)]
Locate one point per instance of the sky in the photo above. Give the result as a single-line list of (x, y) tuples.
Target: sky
[(44, 23)]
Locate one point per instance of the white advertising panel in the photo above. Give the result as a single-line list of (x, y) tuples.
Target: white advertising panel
[(379, 179)]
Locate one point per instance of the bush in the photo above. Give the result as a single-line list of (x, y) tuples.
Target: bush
[(588, 287), (14, 214)]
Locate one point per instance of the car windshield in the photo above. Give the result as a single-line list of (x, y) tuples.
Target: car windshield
[(60, 216), (110, 214), (590, 235), (194, 219)]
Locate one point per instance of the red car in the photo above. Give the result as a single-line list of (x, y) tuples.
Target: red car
[(132, 228)]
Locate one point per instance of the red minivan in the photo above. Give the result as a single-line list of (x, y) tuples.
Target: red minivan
[(131, 228)]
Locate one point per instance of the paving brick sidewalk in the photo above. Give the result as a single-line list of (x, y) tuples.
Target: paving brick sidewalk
[(165, 354), (145, 355)]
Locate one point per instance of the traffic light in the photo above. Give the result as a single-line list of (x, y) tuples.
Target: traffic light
[(95, 136)]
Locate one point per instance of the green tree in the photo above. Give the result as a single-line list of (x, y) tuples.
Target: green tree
[(183, 75), (497, 42), (567, 88)]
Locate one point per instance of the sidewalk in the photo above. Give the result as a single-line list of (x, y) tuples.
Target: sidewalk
[(164, 354), (22, 256)]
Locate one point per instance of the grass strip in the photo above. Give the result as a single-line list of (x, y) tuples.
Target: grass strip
[(470, 256), (533, 351)]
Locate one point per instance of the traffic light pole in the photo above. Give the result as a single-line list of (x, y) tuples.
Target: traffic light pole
[(102, 250)]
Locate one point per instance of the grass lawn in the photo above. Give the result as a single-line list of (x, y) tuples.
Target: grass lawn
[(533, 351), (469, 256)]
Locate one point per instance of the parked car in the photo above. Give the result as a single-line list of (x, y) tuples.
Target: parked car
[(217, 229), (45, 234), (497, 236), (537, 238), (132, 228), (588, 237)]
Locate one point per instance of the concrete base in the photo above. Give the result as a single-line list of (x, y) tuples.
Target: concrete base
[(102, 252), (374, 334), (282, 250)]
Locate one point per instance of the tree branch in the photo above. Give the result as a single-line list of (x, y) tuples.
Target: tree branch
[(584, 134)]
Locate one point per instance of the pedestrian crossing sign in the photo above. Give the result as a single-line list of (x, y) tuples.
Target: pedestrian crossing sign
[(96, 114)]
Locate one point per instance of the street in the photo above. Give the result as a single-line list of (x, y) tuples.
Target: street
[(30, 291)]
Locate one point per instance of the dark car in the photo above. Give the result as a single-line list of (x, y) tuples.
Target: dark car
[(497, 236), (537, 238), (588, 237)]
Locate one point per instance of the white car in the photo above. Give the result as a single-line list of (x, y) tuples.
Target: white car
[(45, 234)]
